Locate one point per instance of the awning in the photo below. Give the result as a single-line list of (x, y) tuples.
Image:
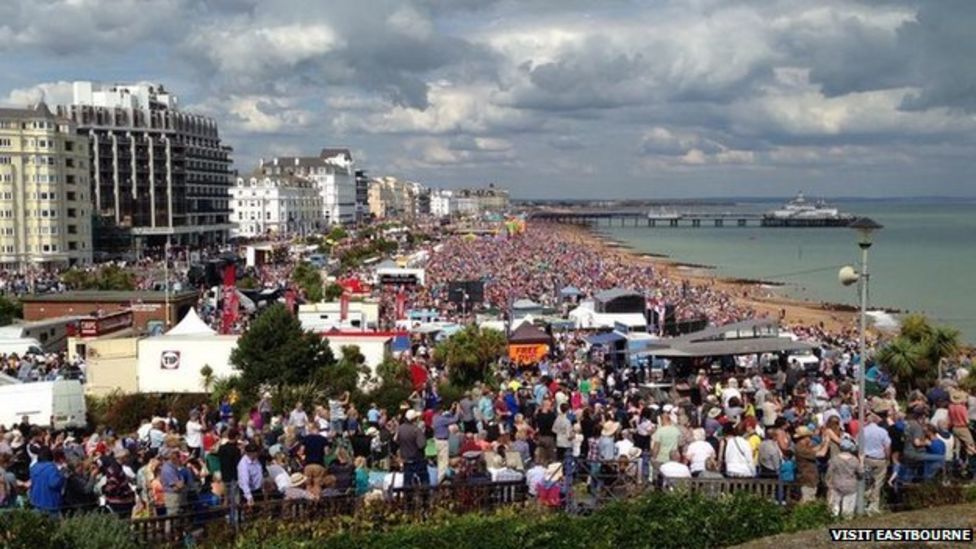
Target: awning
[(569, 291), (731, 347), (605, 338)]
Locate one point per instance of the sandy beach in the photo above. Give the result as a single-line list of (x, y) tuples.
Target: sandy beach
[(750, 294)]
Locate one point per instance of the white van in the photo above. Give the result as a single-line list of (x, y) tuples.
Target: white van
[(56, 404), (21, 346)]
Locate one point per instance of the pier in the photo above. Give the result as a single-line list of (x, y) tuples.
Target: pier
[(643, 219)]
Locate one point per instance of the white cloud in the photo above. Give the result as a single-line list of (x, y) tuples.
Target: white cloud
[(53, 93)]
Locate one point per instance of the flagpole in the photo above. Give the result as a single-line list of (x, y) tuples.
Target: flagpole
[(166, 276)]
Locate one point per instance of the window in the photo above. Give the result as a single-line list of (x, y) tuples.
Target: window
[(4, 142), (70, 196), (71, 212), (4, 160)]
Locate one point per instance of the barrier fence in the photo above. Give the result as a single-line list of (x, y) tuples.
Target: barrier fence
[(586, 486)]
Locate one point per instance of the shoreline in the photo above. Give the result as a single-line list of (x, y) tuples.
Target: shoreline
[(755, 294)]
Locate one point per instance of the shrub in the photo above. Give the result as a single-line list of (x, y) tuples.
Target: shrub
[(807, 516), (653, 520), (124, 412), (21, 529), (93, 531)]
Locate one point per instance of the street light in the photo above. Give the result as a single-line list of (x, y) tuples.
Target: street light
[(847, 275)]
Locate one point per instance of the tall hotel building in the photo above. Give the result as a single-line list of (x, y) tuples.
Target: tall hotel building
[(45, 206), (157, 173)]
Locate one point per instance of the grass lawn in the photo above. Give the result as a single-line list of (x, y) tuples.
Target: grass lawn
[(950, 516)]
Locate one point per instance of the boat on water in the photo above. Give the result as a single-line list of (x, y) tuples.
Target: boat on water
[(800, 212)]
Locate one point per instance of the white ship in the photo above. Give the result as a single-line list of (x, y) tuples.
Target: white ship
[(801, 213)]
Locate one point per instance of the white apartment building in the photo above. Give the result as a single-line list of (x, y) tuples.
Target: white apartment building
[(275, 204), (443, 203), (45, 202), (334, 175)]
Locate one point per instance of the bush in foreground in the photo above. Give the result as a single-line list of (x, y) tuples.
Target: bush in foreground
[(655, 520), (25, 529)]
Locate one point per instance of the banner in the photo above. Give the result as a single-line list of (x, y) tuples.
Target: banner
[(401, 305), (525, 354), (343, 306), (231, 302)]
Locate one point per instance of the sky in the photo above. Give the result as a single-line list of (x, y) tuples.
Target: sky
[(548, 98)]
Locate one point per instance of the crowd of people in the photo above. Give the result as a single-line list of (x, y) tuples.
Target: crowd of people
[(569, 426)]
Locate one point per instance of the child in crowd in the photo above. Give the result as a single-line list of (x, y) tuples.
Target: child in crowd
[(787, 475)]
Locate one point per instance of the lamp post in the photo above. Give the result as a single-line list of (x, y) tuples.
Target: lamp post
[(864, 226)]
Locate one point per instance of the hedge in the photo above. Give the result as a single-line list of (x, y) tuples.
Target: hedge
[(654, 520)]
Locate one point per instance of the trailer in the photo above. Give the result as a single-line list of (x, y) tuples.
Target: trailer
[(56, 404)]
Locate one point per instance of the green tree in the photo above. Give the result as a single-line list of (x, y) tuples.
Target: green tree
[(915, 357), (345, 374), (469, 354), (309, 280), (333, 292), (337, 233), (394, 386), (115, 278), (107, 278), (276, 351), (9, 310)]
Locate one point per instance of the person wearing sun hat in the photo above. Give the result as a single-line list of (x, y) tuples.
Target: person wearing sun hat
[(806, 454), (296, 487)]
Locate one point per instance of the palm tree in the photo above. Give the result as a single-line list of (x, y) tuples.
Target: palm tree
[(942, 343), (207, 377), (916, 328), (902, 359)]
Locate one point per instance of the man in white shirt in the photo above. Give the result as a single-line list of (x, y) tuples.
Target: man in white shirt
[(673, 468), (194, 434)]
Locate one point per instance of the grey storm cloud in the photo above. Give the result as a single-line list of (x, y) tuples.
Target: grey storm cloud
[(541, 95)]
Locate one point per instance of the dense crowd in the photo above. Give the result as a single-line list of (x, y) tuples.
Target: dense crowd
[(568, 426)]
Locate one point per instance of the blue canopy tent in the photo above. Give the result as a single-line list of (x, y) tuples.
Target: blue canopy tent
[(614, 345)]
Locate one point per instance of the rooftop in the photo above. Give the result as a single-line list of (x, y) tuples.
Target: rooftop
[(38, 110), (96, 296)]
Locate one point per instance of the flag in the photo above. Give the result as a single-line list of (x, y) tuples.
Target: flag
[(401, 304)]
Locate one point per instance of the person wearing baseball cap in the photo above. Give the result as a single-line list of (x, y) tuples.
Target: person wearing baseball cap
[(412, 442), (250, 474)]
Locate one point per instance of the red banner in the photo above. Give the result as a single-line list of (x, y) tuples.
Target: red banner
[(401, 305), (231, 301)]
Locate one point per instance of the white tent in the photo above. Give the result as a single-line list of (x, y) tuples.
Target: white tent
[(191, 325)]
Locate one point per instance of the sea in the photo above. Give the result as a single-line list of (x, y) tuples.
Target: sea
[(923, 260)]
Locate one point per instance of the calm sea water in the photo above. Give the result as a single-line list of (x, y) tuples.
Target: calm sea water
[(924, 260)]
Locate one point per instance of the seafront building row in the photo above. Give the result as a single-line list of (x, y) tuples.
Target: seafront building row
[(124, 167)]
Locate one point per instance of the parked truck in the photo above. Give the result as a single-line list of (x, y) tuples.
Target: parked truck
[(56, 404)]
